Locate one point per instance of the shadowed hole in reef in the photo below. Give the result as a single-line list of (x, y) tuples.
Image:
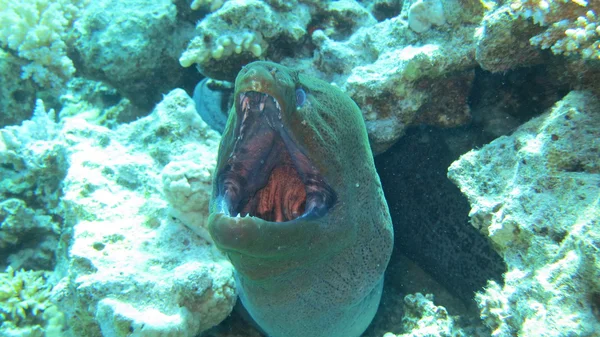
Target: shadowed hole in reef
[(431, 224)]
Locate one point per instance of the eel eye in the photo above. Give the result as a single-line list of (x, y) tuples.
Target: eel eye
[(300, 97)]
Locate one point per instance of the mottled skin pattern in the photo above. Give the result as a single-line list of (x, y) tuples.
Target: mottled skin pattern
[(320, 277)]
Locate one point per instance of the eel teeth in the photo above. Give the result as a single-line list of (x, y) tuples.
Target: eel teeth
[(276, 104), (245, 101), (263, 100)]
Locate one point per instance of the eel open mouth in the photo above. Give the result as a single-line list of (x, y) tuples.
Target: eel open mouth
[(267, 175)]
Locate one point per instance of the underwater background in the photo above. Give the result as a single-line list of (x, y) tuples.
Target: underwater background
[(484, 117)]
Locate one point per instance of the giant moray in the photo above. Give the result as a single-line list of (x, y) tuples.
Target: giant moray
[(297, 206)]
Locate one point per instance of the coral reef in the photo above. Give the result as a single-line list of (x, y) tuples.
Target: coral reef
[(131, 268), (398, 77), (33, 164), (94, 186), (35, 31), (535, 195), (63, 178)]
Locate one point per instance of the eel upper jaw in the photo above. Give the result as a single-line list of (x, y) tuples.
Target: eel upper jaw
[(267, 175)]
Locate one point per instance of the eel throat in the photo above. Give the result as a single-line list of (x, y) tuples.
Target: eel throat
[(267, 175)]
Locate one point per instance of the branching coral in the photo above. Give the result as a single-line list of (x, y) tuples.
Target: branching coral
[(240, 32), (25, 302), (35, 31), (573, 25), (225, 46)]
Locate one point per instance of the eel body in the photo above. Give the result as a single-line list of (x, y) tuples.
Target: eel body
[(211, 102), (297, 206)]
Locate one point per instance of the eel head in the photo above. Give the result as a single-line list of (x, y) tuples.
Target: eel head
[(277, 177)]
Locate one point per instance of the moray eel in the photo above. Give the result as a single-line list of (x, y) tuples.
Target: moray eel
[(297, 206), (211, 102)]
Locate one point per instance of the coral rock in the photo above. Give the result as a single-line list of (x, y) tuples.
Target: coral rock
[(535, 195), (132, 269)]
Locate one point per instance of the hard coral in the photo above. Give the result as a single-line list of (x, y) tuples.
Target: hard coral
[(33, 162), (573, 25), (210, 5), (535, 195), (25, 304), (35, 31), (425, 13), (240, 32)]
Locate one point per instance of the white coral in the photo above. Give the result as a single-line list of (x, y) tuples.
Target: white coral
[(35, 31), (425, 13)]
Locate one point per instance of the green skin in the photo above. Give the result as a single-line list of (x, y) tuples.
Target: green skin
[(318, 277)]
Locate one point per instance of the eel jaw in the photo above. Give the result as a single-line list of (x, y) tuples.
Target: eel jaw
[(266, 174)]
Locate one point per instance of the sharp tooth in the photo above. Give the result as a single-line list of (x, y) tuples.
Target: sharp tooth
[(277, 104), (244, 99), (223, 206), (262, 102)]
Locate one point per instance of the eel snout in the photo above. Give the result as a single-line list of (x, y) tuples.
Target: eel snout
[(266, 174)]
